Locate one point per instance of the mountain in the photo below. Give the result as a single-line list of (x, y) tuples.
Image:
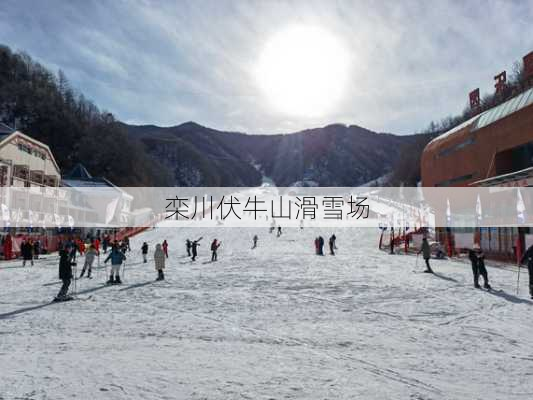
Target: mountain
[(335, 155), (45, 106)]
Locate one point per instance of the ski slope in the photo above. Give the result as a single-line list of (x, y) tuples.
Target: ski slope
[(277, 322)]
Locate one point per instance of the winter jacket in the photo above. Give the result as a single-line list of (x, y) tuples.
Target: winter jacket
[(90, 255), (528, 257), (159, 258), (26, 249), (144, 248), (426, 250), (116, 257), (472, 255), (65, 265)]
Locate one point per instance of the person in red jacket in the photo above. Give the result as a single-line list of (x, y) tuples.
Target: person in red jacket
[(214, 247), (165, 248), (96, 245), (81, 246)]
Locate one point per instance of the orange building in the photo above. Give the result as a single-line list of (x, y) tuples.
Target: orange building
[(495, 143), (493, 148)]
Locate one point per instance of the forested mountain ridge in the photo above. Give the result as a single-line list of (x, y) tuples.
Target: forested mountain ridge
[(335, 155)]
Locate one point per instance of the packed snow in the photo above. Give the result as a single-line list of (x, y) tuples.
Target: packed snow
[(276, 322)]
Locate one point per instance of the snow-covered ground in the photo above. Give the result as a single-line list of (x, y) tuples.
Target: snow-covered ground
[(276, 322)]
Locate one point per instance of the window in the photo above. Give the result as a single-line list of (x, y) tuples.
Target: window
[(515, 159), (456, 147), (459, 179)]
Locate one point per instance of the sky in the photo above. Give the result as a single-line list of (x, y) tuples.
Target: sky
[(168, 62)]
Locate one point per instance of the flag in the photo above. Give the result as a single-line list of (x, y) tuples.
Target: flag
[(448, 212), (5, 213), (520, 208), (479, 212), (111, 209)]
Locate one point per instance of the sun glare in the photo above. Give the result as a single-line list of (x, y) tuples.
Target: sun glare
[(303, 71)]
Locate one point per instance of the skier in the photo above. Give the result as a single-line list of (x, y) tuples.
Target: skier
[(165, 248), (255, 239), (392, 240), (188, 244), (332, 246), (477, 258), (272, 227), (26, 250), (72, 252), (105, 243), (528, 258), (194, 249), (36, 249), (96, 245), (279, 231), (117, 257), (123, 247), (90, 255), (159, 259), (426, 254), (81, 246), (320, 246), (214, 247), (127, 243), (317, 246), (144, 250), (65, 273)]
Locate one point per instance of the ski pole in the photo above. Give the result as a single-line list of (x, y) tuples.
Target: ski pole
[(75, 279), (518, 280)]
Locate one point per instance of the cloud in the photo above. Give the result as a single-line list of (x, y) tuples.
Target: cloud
[(167, 62)]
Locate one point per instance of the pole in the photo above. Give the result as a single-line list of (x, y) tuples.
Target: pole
[(518, 280), (75, 280)]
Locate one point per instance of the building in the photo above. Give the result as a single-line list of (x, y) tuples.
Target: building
[(497, 142), (112, 205), (493, 148), (27, 163)]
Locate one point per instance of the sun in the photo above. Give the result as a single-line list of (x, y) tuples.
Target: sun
[(303, 71)]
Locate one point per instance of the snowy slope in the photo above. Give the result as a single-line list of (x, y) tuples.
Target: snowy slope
[(276, 322)]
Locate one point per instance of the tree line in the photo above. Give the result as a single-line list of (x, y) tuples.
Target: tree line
[(43, 105)]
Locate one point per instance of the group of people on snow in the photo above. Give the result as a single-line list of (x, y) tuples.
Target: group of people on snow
[(117, 256), (319, 245), (29, 249)]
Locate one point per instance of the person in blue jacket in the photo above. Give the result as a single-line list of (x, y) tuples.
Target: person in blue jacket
[(117, 257)]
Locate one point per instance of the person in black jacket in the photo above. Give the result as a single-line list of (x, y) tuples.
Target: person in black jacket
[(194, 248), (26, 250), (65, 274), (528, 258), (321, 245), (332, 246), (144, 250), (188, 245), (477, 258)]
